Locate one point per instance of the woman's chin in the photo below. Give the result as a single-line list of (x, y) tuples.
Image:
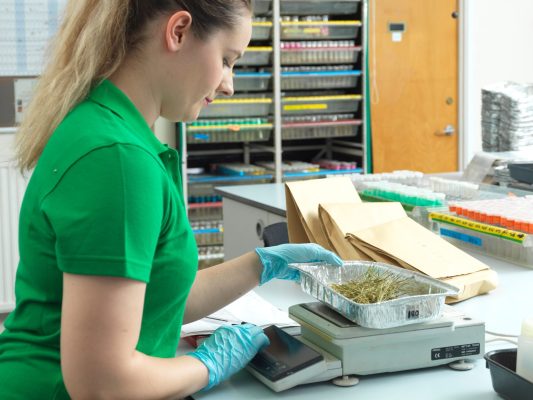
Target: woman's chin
[(183, 117)]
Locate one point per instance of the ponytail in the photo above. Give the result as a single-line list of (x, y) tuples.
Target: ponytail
[(91, 44), (88, 48)]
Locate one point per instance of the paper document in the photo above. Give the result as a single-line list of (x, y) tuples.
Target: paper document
[(250, 308)]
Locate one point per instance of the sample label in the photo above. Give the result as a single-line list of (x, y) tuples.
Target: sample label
[(413, 313), (507, 234), (462, 350), (313, 30), (293, 107), (462, 236)]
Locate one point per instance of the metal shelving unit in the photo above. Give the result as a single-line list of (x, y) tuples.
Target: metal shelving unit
[(299, 95)]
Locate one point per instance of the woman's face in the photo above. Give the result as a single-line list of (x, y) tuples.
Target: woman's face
[(204, 71)]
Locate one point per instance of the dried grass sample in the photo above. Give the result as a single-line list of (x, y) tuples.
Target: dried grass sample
[(376, 286)]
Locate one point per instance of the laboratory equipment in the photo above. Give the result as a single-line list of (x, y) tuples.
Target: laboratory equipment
[(256, 55), (524, 356), (261, 29), (238, 107), (500, 242), (522, 172), (414, 330), (505, 380), (306, 7), (412, 297), (291, 356), (348, 349), (292, 54)]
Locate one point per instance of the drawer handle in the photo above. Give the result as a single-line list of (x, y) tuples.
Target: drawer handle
[(259, 229)]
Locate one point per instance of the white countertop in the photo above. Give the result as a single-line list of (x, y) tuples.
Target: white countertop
[(266, 196)]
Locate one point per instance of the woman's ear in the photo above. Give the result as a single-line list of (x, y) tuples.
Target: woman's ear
[(178, 26)]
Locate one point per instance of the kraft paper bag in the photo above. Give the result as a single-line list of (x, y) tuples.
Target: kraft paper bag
[(302, 200), (384, 232), (347, 217), (472, 284), (377, 254), (337, 238), (417, 246), (337, 221), (407, 241)]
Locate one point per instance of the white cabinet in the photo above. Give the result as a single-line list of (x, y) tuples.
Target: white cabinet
[(243, 227)]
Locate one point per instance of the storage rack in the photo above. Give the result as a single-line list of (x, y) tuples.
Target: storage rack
[(299, 95)]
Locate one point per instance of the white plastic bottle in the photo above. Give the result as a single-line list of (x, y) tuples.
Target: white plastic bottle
[(524, 355)]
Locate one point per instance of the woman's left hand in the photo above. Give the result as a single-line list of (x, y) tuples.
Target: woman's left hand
[(276, 259)]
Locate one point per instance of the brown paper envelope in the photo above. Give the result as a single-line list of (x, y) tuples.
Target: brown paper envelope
[(469, 285), (298, 231), (356, 217), (406, 240), (472, 284), (378, 254), (368, 214), (303, 198), (375, 255), (339, 218), (337, 238)]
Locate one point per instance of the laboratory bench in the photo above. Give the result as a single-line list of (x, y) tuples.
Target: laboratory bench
[(502, 310), (247, 209)]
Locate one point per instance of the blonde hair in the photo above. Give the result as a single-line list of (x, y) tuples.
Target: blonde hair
[(88, 48), (91, 44)]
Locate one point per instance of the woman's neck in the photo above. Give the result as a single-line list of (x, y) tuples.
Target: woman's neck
[(133, 79)]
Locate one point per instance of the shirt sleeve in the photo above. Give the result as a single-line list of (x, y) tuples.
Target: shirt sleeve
[(107, 211)]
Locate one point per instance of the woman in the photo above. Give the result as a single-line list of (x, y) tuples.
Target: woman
[(107, 271)]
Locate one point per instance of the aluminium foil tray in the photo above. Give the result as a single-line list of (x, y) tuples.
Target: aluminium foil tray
[(316, 279)]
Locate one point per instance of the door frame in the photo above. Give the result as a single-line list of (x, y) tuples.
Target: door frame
[(464, 81)]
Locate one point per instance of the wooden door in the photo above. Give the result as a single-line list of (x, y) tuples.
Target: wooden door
[(414, 84)]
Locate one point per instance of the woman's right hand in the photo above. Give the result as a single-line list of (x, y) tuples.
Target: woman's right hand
[(228, 350)]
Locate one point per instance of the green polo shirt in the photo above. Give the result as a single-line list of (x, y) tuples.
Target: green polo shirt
[(105, 199)]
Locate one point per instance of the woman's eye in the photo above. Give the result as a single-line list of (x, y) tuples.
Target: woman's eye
[(226, 63)]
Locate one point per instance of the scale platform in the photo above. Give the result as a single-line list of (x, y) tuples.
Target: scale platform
[(331, 347)]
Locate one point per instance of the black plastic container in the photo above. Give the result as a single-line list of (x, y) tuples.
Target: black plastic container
[(522, 172), (505, 381)]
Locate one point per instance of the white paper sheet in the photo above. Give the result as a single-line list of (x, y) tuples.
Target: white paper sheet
[(250, 308)]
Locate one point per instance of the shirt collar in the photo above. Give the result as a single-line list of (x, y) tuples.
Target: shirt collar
[(111, 97)]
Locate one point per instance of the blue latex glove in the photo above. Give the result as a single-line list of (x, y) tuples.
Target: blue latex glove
[(275, 259), (228, 350)]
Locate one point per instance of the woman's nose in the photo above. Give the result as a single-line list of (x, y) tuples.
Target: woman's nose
[(226, 85)]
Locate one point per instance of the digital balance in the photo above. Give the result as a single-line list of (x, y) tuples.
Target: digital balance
[(414, 332), (331, 347)]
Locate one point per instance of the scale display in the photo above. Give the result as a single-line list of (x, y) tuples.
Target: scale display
[(284, 356)]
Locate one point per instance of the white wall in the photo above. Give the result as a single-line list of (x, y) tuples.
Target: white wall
[(6, 145), (498, 46), (164, 130)]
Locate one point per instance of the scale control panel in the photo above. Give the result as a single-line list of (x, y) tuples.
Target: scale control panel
[(286, 361)]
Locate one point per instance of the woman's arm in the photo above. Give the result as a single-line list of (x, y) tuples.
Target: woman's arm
[(217, 286), (100, 326)]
